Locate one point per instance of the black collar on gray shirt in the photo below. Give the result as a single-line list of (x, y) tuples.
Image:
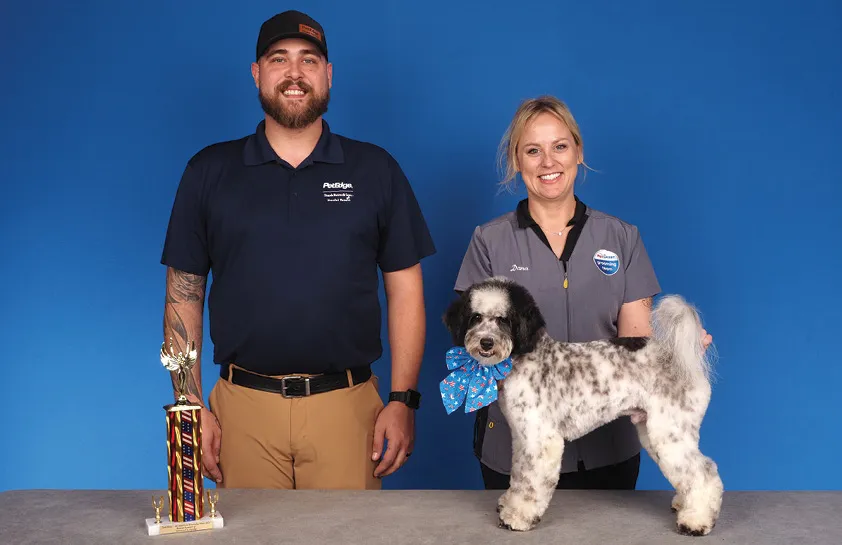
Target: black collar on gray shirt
[(580, 216)]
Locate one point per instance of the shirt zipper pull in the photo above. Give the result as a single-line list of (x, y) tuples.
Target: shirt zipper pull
[(565, 275)]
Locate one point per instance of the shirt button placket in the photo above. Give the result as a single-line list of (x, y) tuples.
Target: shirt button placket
[(292, 196)]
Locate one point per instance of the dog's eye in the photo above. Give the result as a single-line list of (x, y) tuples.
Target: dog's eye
[(502, 320), (475, 317)]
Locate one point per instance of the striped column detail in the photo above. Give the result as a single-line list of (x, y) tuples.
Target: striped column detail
[(185, 464)]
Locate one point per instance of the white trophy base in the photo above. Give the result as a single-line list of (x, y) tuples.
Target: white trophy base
[(168, 527)]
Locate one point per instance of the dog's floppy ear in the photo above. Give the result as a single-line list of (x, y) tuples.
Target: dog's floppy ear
[(455, 320), (527, 320)]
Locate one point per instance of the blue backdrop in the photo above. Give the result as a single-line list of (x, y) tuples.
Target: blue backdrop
[(714, 128)]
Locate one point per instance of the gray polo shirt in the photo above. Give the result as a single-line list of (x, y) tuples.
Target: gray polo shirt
[(605, 265)]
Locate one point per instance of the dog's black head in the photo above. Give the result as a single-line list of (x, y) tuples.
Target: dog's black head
[(494, 319)]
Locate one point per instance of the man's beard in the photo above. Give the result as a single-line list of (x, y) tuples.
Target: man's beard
[(294, 117)]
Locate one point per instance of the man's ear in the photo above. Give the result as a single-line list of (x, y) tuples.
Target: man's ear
[(255, 73), (454, 319)]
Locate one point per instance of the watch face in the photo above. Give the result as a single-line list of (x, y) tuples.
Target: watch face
[(414, 399)]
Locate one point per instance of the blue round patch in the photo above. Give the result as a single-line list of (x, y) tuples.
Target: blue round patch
[(607, 262)]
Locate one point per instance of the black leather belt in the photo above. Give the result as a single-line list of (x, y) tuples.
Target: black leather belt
[(298, 386)]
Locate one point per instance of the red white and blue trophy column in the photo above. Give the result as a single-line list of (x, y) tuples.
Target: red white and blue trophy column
[(184, 457)]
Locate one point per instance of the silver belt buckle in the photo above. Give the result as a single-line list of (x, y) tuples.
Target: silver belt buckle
[(295, 377)]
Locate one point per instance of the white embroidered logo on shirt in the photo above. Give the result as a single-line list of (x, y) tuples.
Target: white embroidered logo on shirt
[(338, 191), (518, 268)]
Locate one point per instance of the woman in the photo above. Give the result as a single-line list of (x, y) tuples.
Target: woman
[(588, 271)]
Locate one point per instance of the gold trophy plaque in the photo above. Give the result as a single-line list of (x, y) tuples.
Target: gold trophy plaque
[(186, 512)]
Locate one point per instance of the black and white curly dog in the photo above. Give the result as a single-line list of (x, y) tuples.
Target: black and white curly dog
[(559, 391)]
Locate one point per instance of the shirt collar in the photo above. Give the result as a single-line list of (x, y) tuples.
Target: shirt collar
[(258, 151), (524, 218)]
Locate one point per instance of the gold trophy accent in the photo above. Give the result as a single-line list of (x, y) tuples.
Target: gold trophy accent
[(158, 504), (181, 364), (186, 511), (213, 499)]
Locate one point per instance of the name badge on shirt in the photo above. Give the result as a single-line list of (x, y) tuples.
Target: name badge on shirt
[(607, 261)]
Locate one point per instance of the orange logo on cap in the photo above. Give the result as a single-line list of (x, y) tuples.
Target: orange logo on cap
[(311, 31)]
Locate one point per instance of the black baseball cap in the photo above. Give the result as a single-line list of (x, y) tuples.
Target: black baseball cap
[(290, 24)]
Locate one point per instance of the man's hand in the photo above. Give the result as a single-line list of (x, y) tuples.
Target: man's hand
[(211, 443), (395, 423)]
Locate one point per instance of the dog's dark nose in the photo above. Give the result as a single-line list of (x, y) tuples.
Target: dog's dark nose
[(486, 343)]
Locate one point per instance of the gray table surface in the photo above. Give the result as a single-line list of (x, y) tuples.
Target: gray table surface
[(402, 517)]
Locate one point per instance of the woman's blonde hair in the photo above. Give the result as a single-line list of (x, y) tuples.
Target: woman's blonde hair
[(526, 112)]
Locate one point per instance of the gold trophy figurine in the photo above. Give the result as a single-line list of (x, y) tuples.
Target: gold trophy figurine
[(181, 364), (184, 453), (213, 499), (158, 504)]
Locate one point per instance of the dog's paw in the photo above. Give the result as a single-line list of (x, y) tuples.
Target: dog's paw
[(686, 530), (694, 525), (503, 525), (510, 519)]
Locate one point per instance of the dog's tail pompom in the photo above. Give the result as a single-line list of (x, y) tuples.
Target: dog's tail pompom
[(677, 328)]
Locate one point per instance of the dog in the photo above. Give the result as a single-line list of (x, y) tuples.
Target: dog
[(560, 391)]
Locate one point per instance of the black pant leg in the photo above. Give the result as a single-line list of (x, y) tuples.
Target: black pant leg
[(493, 480), (622, 476)]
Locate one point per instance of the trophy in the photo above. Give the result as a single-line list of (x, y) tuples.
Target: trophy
[(184, 456), (158, 504)]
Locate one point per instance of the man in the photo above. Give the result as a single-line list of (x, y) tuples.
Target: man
[(294, 221)]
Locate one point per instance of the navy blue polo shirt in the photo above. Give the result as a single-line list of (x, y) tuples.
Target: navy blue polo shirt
[(294, 252)]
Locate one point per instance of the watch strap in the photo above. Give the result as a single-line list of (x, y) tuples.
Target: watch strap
[(410, 398)]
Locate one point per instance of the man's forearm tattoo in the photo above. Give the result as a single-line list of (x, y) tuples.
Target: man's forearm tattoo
[(185, 297)]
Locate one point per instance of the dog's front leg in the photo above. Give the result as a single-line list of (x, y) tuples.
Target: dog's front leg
[(536, 462)]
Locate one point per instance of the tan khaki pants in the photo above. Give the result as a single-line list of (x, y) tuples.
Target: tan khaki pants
[(323, 441)]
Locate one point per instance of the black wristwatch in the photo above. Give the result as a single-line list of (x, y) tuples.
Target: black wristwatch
[(410, 397)]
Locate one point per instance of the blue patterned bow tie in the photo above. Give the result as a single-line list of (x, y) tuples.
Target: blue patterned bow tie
[(470, 380)]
